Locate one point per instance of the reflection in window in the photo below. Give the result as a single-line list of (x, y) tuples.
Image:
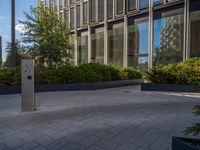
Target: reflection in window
[(85, 14), (168, 39), (144, 4), (119, 6), (110, 9), (115, 45), (138, 45), (195, 33), (97, 54), (82, 49), (158, 1)]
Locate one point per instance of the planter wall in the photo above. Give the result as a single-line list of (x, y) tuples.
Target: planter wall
[(71, 87), (169, 87), (183, 144)]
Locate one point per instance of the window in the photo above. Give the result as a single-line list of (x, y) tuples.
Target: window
[(138, 44), (71, 1), (110, 9), (66, 2), (78, 16), (82, 48), (168, 37), (144, 4), (67, 16), (158, 2), (85, 12), (131, 5), (119, 6), (116, 45), (61, 4), (72, 18), (101, 10), (55, 4), (97, 53), (93, 10)]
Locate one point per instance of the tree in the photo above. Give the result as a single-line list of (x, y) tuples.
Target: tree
[(20, 53), (47, 36)]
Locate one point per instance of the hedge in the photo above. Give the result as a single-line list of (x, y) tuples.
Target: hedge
[(71, 74), (187, 72)]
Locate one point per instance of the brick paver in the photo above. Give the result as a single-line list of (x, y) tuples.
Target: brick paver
[(109, 119)]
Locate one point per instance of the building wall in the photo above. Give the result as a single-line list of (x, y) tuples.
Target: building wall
[(132, 32)]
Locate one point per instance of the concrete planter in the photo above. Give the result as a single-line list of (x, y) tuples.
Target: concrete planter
[(184, 143), (71, 87), (169, 87)]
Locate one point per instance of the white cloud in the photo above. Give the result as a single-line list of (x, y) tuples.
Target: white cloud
[(20, 28)]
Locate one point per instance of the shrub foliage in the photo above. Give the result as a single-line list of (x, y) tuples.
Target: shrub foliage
[(72, 74), (187, 72)]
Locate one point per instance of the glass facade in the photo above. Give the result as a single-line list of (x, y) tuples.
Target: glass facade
[(114, 41), (97, 51), (138, 44), (82, 54), (168, 38), (116, 45)]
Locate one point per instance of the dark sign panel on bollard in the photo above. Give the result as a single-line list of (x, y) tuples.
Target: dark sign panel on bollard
[(28, 87)]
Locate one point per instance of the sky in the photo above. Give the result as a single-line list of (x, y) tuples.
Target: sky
[(5, 17)]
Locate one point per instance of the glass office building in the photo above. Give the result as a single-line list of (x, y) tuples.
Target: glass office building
[(136, 33)]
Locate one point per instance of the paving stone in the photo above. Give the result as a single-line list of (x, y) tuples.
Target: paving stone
[(100, 120), (127, 146), (107, 145), (72, 146), (40, 147), (158, 145), (27, 146), (90, 141), (94, 148)]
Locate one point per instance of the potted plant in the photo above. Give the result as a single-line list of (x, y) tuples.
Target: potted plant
[(188, 143)]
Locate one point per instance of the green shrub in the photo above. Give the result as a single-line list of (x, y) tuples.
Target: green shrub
[(187, 72), (72, 74), (130, 73), (11, 76)]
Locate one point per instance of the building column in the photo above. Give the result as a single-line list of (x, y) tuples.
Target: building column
[(105, 34), (125, 52), (89, 44), (150, 41), (186, 48)]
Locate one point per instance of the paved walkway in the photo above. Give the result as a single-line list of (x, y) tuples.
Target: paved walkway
[(111, 119)]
